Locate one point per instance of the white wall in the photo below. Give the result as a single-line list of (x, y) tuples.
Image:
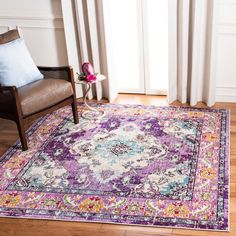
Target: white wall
[(226, 52), (41, 25)]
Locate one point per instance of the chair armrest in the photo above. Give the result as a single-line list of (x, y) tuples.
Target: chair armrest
[(6, 90), (55, 68), (61, 72), (9, 100)]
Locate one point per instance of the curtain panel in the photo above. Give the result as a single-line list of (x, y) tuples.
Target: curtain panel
[(192, 49), (86, 41)]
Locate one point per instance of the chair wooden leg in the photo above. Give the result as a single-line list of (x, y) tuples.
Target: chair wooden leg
[(22, 135), (75, 112)]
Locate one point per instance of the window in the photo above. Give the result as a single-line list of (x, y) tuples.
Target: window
[(137, 31)]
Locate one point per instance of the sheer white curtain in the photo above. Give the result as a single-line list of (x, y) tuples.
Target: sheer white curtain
[(192, 51), (85, 39)]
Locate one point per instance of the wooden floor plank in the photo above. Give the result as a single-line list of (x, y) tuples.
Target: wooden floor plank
[(146, 229)]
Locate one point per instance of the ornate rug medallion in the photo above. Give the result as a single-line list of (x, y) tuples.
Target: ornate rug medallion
[(147, 165)]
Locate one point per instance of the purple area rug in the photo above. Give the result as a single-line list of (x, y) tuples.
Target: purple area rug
[(143, 165)]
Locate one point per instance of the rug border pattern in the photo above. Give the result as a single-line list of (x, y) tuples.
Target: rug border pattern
[(223, 193)]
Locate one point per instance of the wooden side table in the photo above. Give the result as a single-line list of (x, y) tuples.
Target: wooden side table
[(91, 113)]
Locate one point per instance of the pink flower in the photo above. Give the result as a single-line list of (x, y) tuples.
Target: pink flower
[(90, 78)]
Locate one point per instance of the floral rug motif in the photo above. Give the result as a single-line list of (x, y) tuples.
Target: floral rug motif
[(143, 165)]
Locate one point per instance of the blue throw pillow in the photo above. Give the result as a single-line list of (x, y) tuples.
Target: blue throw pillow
[(16, 65)]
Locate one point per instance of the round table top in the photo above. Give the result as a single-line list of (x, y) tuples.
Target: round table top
[(100, 78)]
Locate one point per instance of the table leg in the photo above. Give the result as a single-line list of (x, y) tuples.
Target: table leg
[(98, 113)]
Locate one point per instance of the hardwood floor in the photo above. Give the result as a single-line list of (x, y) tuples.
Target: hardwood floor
[(25, 227)]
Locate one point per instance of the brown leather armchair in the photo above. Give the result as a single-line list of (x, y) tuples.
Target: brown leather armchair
[(27, 103)]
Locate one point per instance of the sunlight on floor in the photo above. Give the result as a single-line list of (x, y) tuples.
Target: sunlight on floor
[(141, 99)]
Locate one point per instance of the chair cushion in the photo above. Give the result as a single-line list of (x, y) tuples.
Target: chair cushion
[(16, 65), (9, 36), (42, 94)]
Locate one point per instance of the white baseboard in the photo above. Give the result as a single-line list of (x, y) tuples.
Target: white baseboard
[(226, 94)]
